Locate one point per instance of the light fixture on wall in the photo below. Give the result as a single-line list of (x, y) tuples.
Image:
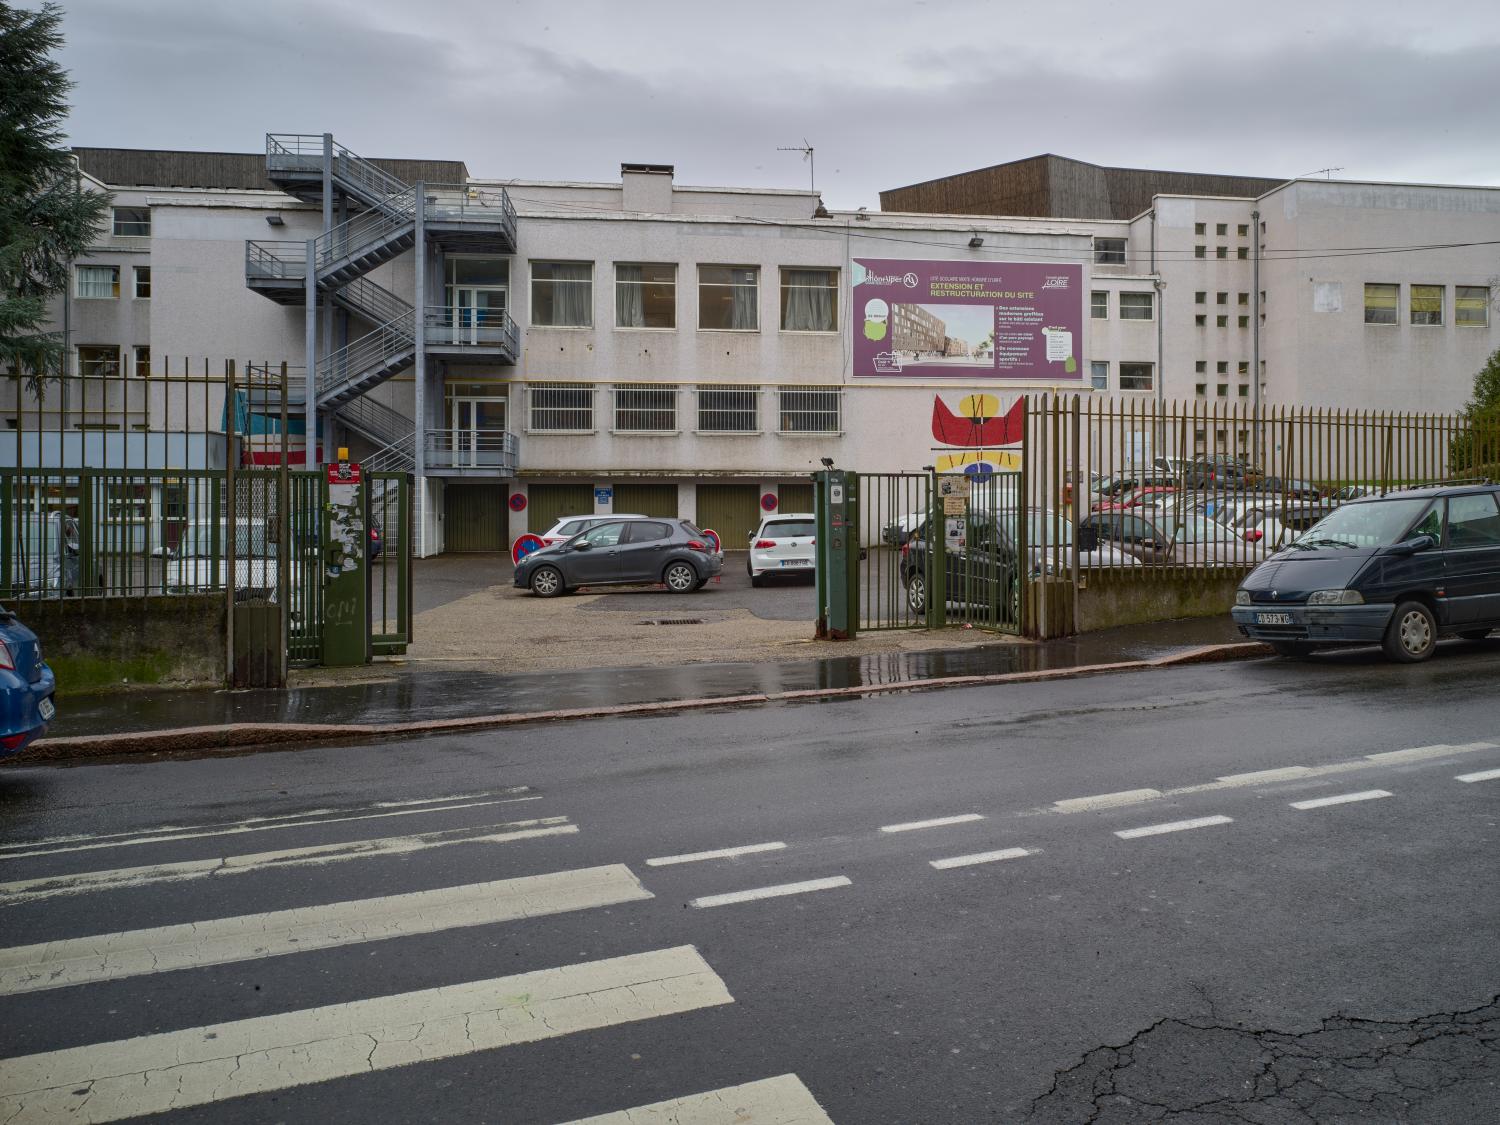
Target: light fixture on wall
[(976, 242), (275, 221)]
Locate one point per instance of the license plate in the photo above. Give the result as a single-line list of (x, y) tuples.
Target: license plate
[(1273, 618), (46, 710), (796, 562)]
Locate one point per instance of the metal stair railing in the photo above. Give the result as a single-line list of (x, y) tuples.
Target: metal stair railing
[(471, 449), (374, 302), (276, 260), (470, 203), (303, 152), (376, 420), (366, 231), (376, 349), (457, 326), (365, 175), (397, 457)]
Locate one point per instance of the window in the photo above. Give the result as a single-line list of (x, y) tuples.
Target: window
[(1222, 252), (1243, 230), (98, 361), (1243, 253), (561, 407), (1135, 376), (1244, 390), (1380, 303), (142, 283), (646, 531), (604, 535), (1221, 298), (1201, 389), (728, 410), (645, 295), (1427, 304), (1223, 390), (1099, 304), (1135, 306), (143, 363), (99, 282), (1471, 306), (562, 294), (728, 298), (1201, 320), (1200, 251), (1200, 297), (134, 221), (1109, 251), (1099, 374), (1200, 228), (1244, 298), (1221, 367), (1201, 366), (1221, 229), (809, 410), (809, 300), (1473, 521), (645, 407), (1244, 368), (1244, 321), (1222, 321)]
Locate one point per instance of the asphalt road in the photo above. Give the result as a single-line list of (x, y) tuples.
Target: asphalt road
[(1260, 962)]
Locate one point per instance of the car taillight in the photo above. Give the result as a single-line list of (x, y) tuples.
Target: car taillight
[(1254, 536), (6, 660), (763, 544), (11, 741), (374, 534), (697, 545)]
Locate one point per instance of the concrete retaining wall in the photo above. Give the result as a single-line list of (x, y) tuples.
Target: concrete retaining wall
[(1129, 597), (95, 644)]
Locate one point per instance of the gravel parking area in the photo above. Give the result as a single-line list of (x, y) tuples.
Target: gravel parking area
[(467, 612)]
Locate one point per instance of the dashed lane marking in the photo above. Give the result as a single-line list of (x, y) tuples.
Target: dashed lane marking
[(981, 857), (1425, 753), (1482, 775), (771, 892), (1341, 799), (203, 1065), (717, 853), (1174, 826), (936, 822), (783, 1100), (248, 937), (1107, 800)]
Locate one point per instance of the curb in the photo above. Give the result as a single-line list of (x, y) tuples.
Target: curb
[(245, 736)]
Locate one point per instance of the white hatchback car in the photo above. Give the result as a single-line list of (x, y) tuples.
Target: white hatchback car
[(569, 526), (784, 544)]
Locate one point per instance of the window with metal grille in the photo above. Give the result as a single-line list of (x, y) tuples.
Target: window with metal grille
[(646, 407), (728, 410), (561, 407), (134, 221), (809, 410), (1109, 251)]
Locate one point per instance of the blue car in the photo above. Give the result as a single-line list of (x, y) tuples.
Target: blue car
[(26, 687)]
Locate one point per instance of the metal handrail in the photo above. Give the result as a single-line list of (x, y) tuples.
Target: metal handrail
[(396, 456), (471, 327), (365, 173), (342, 367), (374, 302), (275, 259), (364, 230), (377, 420), (470, 449), (469, 203), (304, 152)]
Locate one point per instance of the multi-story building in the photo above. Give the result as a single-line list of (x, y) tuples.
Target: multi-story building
[(532, 349)]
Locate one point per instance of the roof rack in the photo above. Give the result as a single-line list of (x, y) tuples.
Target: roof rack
[(1456, 482)]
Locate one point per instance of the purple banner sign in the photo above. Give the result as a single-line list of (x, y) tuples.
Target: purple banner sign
[(967, 320)]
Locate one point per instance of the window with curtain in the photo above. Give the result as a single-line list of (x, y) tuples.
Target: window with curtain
[(1136, 376), (728, 298), (99, 281), (1427, 304), (1380, 302), (809, 300), (645, 295), (562, 294), (1471, 306)]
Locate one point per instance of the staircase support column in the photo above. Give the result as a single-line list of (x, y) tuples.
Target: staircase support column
[(419, 326), (309, 371)]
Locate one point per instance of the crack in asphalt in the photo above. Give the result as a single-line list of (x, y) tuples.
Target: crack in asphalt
[(1348, 1069)]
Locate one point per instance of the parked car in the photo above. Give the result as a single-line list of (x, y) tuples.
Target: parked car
[(903, 528), (377, 539), (1274, 522), (26, 687), (1145, 497), (1110, 488), (623, 552), (783, 544), (1289, 487), (1162, 539), (569, 526), (200, 560), (1399, 570), (1220, 473)]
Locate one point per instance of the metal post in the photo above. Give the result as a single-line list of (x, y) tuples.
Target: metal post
[(419, 326), (231, 540), (310, 370), (284, 537), (822, 540), (1255, 339)]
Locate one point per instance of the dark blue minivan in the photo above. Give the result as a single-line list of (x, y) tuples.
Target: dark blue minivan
[(1398, 570)]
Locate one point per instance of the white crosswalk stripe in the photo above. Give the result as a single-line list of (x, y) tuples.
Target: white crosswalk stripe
[(221, 941), (783, 1100), (198, 1066)]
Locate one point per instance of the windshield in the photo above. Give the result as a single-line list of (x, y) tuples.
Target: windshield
[(1375, 523), (204, 541), (1042, 529)]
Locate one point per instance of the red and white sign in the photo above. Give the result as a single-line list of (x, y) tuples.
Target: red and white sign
[(343, 472)]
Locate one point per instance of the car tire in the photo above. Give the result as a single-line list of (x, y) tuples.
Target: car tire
[(1292, 650), (756, 580), (680, 578), (1411, 635), (916, 594), (547, 582), (1475, 634)]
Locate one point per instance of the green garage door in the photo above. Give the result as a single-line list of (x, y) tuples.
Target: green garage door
[(733, 510), (548, 503), (646, 499), (474, 517), (795, 498)]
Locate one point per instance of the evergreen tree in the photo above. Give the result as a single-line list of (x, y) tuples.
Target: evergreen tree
[(46, 220), (1476, 448)]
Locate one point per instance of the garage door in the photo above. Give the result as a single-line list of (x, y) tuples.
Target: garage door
[(548, 503), (474, 517), (733, 510), (795, 498), (646, 499)]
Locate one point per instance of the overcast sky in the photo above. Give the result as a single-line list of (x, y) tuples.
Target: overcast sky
[(888, 93)]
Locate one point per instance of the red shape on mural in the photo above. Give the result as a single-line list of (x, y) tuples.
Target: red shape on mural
[(951, 429)]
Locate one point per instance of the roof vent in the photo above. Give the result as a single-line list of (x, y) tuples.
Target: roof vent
[(660, 169)]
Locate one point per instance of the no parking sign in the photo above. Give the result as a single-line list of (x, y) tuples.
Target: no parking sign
[(525, 545)]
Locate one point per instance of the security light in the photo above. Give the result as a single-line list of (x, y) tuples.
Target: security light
[(827, 462), (976, 242), (275, 221)]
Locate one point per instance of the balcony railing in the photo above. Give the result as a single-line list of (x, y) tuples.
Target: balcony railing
[(275, 260), (492, 450), (450, 326), (469, 203)]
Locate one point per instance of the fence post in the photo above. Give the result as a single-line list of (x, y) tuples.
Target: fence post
[(937, 556)]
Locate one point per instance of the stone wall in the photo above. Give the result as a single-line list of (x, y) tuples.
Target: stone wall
[(95, 644)]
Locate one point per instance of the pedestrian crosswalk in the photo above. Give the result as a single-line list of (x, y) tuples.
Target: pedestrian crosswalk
[(174, 1068)]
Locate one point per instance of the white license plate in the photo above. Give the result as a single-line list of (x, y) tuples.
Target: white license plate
[(1273, 618), (796, 562), (46, 710)]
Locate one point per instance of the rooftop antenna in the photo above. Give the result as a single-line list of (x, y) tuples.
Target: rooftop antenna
[(807, 154), (1326, 173)]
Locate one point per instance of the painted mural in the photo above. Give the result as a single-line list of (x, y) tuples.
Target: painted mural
[(977, 439)]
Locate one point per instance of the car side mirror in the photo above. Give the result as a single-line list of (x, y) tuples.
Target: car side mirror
[(583, 545), (1088, 539), (1414, 544)]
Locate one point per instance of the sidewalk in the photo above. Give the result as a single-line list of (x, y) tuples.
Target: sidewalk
[(399, 693)]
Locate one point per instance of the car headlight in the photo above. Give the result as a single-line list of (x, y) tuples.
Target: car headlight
[(1335, 597), (1242, 597)]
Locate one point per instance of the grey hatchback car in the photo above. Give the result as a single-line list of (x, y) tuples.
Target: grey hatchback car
[(624, 553)]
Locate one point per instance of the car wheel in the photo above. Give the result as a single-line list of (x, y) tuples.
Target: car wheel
[(547, 582), (1412, 634), (1292, 650), (680, 578), (1475, 634), (916, 593), (756, 580)]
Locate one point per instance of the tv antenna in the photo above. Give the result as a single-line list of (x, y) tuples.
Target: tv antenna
[(1326, 173), (807, 154)]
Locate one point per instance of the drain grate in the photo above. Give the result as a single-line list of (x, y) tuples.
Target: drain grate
[(672, 621)]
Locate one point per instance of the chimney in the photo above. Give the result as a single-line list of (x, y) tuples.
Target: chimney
[(648, 188)]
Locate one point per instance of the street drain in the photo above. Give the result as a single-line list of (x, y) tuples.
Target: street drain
[(672, 621)]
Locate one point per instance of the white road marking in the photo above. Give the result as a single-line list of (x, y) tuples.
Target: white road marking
[(718, 853), (1174, 826), (1107, 800), (203, 1065), (1423, 753), (29, 890), (1482, 775), (1267, 777), (771, 892), (220, 941), (312, 818), (936, 822), (783, 1100), (980, 857), (1341, 799)]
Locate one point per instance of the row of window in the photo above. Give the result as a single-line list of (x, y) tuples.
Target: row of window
[(1241, 253), (1426, 304), (1222, 229), (1133, 376), (652, 408), (102, 361), (562, 296), (1134, 305), (103, 282)]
